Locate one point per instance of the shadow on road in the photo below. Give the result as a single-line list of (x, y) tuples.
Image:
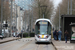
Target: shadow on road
[(43, 43)]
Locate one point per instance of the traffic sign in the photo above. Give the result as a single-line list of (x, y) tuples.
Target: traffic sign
[(5, 25)]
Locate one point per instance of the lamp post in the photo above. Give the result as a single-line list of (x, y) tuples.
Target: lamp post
[(16, 17), (11, 18), (59, 16), (43, 8)]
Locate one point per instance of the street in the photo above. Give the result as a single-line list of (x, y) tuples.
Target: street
[(25, 44)]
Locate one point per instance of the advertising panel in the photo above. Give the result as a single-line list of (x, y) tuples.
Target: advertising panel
[(73, 33)]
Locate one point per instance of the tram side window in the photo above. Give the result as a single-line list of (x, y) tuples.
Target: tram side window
[(49, 29), (36, 29)]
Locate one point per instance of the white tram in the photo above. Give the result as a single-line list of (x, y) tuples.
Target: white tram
[(43, 30)]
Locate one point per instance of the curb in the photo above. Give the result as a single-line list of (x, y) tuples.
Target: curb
[(8, 40), (54, 46)]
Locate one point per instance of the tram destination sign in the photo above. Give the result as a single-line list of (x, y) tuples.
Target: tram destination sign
[(43, 22)]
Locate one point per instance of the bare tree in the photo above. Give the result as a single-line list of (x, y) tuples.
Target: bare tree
[(73, 6), (63, 10), (6, 10), (0, 9), (37, 9)]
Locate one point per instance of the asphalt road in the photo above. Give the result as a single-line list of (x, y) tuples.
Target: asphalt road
[(25, 44)]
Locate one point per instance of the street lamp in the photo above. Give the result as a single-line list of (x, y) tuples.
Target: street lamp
[(43, 8), (11, 19), (59, 16)]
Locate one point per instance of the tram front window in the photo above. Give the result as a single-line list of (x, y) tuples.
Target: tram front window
[(43, 29)]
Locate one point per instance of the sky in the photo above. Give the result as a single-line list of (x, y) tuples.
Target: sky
[(56, 2), (24, 3)]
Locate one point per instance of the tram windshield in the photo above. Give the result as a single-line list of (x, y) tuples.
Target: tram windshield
[(42, 27)]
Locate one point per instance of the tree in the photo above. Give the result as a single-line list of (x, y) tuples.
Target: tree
[(6, 10), (37, 9), (73, 6), (0, 10), (63, 10)]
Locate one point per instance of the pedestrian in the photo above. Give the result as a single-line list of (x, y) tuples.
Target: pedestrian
[(66, 34), (54, 35), (21, 34), (14, 34), (59, 34)]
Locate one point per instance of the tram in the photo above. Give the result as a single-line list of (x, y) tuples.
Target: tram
[(43, 30)]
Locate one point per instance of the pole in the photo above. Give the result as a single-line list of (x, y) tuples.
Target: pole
[(39, 7), (16, 18), (11, 19), (43, 15), (31, 17), (70, 7), (25, 21), (42, 8), (59, 16), (1, 14)]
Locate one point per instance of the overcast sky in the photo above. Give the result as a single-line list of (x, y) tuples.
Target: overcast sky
[(24, 3), (56, 2)]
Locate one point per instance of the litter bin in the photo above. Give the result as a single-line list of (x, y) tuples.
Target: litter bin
[(72, 33)]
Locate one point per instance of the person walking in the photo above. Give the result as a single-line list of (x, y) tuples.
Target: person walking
[(66, 34), (59, 34), (54, 35)]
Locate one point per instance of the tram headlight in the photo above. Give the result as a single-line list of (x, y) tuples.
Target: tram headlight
[(46, 36), (38, 36)]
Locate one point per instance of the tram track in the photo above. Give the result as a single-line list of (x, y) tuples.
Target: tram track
[(21, 48), (42, 47), (27, 45), (37, 46), (47, 46)]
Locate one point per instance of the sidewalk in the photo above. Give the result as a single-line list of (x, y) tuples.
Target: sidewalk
[(61, 45), (8, 39)]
